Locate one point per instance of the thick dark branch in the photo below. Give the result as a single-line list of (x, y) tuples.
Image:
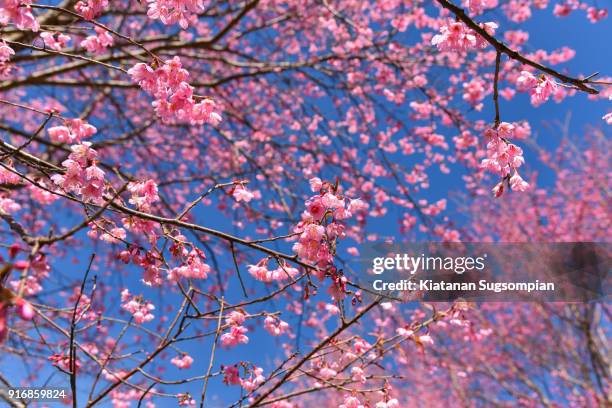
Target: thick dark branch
[(503, 48)]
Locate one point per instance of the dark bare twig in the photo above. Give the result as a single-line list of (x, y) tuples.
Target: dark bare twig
[(72, 329)]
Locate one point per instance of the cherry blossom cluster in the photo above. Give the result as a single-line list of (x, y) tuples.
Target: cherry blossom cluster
[(22, 307), (456, 36), (90, 9), (183, 362), (7, 176), (72, 132), (63, 361), (193, 265), (38, 270), (172, 11), (540, 88), (252, 379), (237, 333), (478, 6), (82, 175), (275, 326), (241, 193), (504, 158), (137, 307), (144, 194), (262, 272), (6, 52), (174, 98), (97, 44), (594, 14), (322, 224), (18, 12), (55, 41)]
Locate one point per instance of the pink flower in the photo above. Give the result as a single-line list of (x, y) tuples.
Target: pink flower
[(5, 52), (274, 326), (97, 44), (55, 41), (351, 402), (255, 379), (517, 183), (18, 12), (240, 193), (235, 336), (24, 309), (315, 184), (174, 99), (608, 118), (594, 14), (526, 81), (168, 12), (137, 307), (90, 9), (231, 375), (182, 362), (478, 6)]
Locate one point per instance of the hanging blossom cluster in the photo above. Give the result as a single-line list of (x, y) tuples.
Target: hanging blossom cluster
[(252, 379), (97, 44), (275, 326), (82, 175), (90, 9), (55, 41), (193, 265), (174, 98), (73, 131), (22, 307), (137, 307), (540, 88), (262, 272), (504, 158), (183, 362), (169, 12), (456, 36), (237, 332), (6, 52), (322, 223), (478, 6), (18, 12)]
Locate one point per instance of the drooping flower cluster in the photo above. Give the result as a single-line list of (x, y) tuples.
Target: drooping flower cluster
[(504, 158), (38, 270), (90, 9), (322, 225), (7, 176), (144, 193), (137, 307), (240, 193), (237, 332), (72, 132), (55, 41), (5, 55), (97, 44), (82, 175), (456, 36), (192, 265), (261, 272), (23, 308), (18, 12), (478, 6), (275, 326), (172, 11), (174, 98), (540, 88), (253, 376), (183, 362)]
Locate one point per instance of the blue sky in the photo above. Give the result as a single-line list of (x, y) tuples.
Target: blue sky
[(591, 42)]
